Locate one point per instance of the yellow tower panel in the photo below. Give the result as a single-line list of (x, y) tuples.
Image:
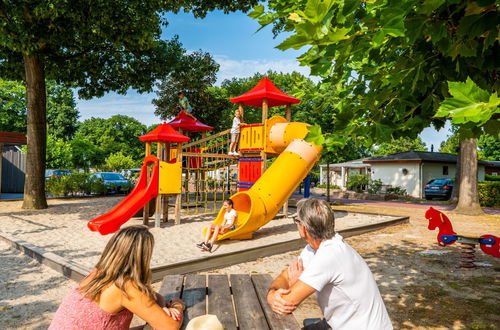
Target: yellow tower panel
[(173, 153), (252, 137), (170, 178)]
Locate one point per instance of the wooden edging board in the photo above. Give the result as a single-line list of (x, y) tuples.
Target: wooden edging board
[(62, 265)]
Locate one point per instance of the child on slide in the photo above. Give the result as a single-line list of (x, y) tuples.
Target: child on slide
[(214, 230)]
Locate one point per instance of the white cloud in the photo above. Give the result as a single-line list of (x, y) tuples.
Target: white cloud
[(246, 68), (132, 104)]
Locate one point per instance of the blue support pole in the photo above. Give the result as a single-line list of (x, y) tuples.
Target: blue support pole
[(307, 186)]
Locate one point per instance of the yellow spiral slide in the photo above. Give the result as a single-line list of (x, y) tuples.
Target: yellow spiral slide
[(258, 205)]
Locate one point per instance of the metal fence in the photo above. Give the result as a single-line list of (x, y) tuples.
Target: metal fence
[(13, 168)]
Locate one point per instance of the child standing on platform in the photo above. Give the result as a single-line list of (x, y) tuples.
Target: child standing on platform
[(235, 133), (214, 230)]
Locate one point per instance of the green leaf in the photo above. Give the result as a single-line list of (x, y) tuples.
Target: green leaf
[(378, 38), (257, 11), (315, 136), (350, 6), (316, 10), (296, 41), (266, 19), (429, 5), (393, 22), (469, 104)]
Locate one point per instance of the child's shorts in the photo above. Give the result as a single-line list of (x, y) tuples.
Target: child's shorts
[(235, 137)]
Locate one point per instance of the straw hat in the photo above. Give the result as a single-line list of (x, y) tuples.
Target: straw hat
[(205, 322)]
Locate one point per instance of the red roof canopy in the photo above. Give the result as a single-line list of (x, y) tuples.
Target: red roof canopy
[(188, 124), (164, 133), (265, 88), (13, 138)]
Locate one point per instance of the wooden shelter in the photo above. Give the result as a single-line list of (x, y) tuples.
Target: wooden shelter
[(6, 139)]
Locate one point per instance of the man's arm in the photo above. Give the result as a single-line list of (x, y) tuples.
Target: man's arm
[(278, 288), (287, 291)]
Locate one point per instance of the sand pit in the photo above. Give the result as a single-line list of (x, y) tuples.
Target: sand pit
[(62, 230)]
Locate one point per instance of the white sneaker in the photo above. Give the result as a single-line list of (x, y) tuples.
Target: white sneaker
[(235, 154), (230, 153)]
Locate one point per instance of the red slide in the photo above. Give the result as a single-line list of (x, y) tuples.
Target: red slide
[(143, 192)]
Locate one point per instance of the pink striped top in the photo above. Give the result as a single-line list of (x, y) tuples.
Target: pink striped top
[(79, 312)]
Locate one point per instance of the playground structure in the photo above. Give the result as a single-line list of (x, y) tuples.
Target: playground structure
[(200, 174), (159, 177), (489, 244)]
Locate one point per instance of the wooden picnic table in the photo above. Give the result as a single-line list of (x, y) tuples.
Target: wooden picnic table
[(238, 300)]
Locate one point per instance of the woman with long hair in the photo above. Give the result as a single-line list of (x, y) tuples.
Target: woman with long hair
[(118, 287)]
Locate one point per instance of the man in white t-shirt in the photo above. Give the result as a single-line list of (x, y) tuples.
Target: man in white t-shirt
[(344, 285)]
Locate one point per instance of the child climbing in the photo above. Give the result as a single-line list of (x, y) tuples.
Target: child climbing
[(235, 133), (214, 230), (184, 104)]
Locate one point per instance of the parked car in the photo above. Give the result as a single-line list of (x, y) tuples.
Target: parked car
[(438, 188), (56, 173), (114, 182)]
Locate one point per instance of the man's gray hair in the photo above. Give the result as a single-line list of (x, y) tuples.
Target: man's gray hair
[(318, 218)]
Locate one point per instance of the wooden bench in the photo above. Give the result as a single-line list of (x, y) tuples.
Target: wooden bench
[(238, 300)]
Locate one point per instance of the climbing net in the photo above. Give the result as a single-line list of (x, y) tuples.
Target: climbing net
[(209, 175)]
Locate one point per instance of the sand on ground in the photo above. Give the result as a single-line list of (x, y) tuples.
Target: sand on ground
[(419, 281)]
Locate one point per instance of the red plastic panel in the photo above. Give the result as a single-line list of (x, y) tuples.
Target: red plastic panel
[(195, 162), (250, 172)]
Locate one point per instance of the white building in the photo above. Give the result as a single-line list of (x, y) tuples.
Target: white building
[(341, 171), (411, 170)]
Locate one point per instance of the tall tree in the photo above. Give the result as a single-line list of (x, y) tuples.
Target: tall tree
[(488, 146), (474, 111), (62, 114), (197, 75), (293, 84), (388, 61), (116, 134), (400, 145), (97, 46)]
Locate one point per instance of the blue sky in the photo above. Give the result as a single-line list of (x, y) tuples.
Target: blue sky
[(234, 43)]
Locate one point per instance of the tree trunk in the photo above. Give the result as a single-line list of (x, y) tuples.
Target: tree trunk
[(34, 185), (328, 182), (468, 198), (456, 187)]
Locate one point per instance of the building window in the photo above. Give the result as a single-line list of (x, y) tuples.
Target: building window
[(445, 170)]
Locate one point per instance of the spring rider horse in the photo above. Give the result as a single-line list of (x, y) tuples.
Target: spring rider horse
[(446, 236)]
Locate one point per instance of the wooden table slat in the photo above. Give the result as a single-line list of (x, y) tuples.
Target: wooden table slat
[(193, 294), (219, 300), (247, 305), (171, 287), (276, 321)]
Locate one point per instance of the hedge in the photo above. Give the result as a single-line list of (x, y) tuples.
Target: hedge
[(76, 184), (489, 193), (488, 177)]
